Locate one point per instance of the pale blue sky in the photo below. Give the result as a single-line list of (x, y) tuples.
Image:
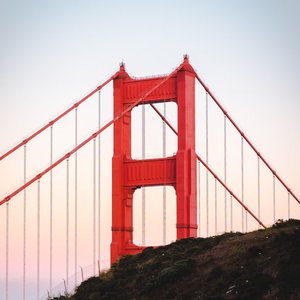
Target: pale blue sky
[(56, 50), (53, 52)]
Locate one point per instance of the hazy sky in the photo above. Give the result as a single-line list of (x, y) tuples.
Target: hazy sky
[(53, 52)]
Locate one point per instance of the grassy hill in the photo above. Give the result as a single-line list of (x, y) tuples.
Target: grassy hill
[(263, 264)]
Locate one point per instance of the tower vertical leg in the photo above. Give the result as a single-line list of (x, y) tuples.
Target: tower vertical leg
[(186, 157), (121, 196)]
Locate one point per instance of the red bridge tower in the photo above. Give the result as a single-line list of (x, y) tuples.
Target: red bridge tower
[(178, 171)]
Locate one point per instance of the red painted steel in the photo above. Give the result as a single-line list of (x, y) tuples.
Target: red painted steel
[(91, 137), (178, 171), (75, 105), (246, 139), (150, 172), (212, 172), (135, 88), (230, 191)]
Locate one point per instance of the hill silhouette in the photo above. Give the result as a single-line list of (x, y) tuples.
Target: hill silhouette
[(263, 264)]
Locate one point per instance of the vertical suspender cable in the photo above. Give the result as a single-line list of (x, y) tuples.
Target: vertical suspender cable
[(274, 199), (38, 241), (67, 219), (199, 200), (99, 179), (164, 187), (94, 207), (242, 179), (225, 176), (51, 207), (24, 226), (207, 192), (258, 189), (81, 271), (75, 198), (99, 269), (216, 208), (231, 216), (289, 206), (7, 251), (65, 286), (246, 214), (143, 188)]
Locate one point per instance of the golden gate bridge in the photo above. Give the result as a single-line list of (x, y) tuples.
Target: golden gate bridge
[(81, 208)]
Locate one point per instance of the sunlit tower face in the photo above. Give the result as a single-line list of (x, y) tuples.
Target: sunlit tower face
[(178, 170)]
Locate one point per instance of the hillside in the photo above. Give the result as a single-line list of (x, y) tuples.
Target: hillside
[(263, 264)]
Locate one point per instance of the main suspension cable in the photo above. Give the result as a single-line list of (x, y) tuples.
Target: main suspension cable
[(51, 123), (246, 139), (95, 134), (211, 171), (229, 191)]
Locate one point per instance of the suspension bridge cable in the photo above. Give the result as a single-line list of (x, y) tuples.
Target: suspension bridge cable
[(230, 191), (274, 199), (24, 223), (87, 140), (51, 123), (246, 139), (67, 219), (212, 172), (94, 206), (99, 180), (289, 207), (164, 186), (7, 252), (258, 187), (206, 144), (225, 175), (242, 182), (231, 216), (199, 200), (75, 196), (143, 188), (216, 208), (5, 200), (38, 239), (51, 207)]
